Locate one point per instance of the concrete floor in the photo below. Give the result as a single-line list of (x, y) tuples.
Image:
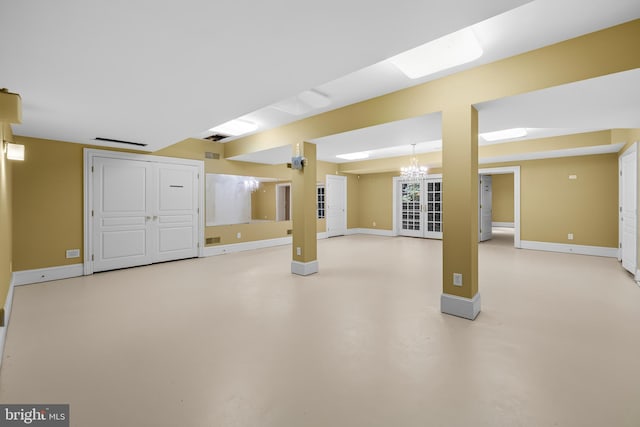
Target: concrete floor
[(236, 340)]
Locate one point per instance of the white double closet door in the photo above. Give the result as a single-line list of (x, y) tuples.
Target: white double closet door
[(143, 212)]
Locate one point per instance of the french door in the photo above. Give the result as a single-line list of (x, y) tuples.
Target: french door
[(421, 208)]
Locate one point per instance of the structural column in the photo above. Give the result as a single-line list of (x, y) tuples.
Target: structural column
[(460, 296), (303, 183)]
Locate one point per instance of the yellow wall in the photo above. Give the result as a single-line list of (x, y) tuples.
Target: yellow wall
[(47, 204), (502, 198), (5, 223), (263, 202), (353, 202), (552, 205), (375, 196)]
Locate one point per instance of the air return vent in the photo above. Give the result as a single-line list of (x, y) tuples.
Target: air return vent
[(289, 231), (211, 155), (212, 240), (217, 137), (119, 141)]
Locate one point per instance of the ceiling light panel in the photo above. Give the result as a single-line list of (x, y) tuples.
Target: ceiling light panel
[(235, 127), (446, 52), (354, 156), (504, 134)]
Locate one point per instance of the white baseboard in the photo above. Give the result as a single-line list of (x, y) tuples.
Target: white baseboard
[(27, 277), (570, 249), (459, 306), (503, 224), (7, 319), (247, 246), (372, 231), (304, 268)]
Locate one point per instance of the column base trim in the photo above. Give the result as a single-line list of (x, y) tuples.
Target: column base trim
[(304, 268), (459, 306)]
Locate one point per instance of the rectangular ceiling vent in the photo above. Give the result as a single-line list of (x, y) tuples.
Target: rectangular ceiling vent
[(119, 141), (217, 137)]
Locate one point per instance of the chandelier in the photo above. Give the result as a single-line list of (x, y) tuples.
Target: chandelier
[(414, 171), (251, 184)]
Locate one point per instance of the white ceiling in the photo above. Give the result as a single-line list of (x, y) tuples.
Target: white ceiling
[(139, 72), (157, 72)]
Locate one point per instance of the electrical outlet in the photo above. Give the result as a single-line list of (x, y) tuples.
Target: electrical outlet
[(239, 235), (73, 253), (457, 279), (570, 236), (299, 251), (374, 223), (573, 177)]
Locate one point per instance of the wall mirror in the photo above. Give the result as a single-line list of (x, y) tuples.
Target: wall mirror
[(237, 199)]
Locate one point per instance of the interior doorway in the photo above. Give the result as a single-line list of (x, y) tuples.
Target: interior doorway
[(283, 202)]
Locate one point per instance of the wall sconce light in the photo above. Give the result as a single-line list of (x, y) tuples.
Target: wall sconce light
[(14, 151)]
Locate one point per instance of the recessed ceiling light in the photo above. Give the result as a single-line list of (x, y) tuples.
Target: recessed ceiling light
[(504, 134), (354, 156), (446, 52), (235, 127)]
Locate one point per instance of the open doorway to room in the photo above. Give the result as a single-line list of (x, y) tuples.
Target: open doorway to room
[(283, 202), (505, 205)]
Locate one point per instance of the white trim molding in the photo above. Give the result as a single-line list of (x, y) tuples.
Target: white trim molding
[(256, 244), (27, 277), (304, 268), (245, 246), (467, 308), (372, 231), (503, 224), (7, 318), (571, 249)]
